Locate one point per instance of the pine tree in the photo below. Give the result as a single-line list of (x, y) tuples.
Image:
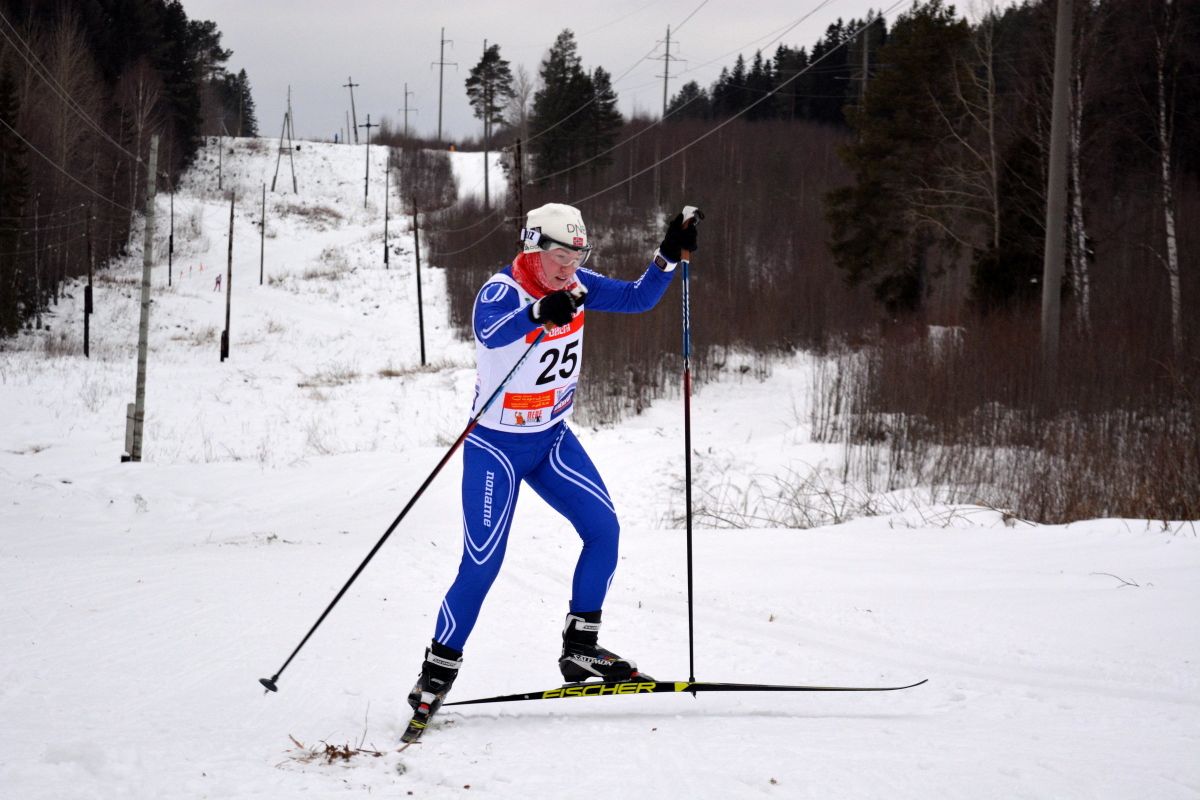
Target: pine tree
[(789, 63), (604, 121), (885, 229), (692, 102), (558, 121), (489, 88), (243, 105), (760, 81)]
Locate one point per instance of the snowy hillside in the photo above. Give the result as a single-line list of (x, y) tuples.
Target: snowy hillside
[(143, 601)]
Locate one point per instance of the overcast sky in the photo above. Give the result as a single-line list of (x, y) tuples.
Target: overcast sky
[(317, 45)]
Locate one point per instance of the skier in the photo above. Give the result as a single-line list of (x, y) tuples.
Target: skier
[(524, 437)]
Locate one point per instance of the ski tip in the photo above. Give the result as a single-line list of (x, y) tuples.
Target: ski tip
[(269, 683)]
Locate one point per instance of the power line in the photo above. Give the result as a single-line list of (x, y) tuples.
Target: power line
[(813, 64), (475, 224), (55, 164), (51, 215), (44, 248), (51, 227), (615, 81), (739, 114), (689, 16), (785, 29), (657, 123), (42, 72), (500, 225)]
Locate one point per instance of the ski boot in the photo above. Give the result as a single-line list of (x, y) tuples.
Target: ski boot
[(582, 658), (438, 672)]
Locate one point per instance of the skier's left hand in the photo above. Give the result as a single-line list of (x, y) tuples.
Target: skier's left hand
[(680, 237)]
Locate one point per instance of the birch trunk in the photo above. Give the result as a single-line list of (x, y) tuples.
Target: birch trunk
[(1079, 254), (1171, 262)]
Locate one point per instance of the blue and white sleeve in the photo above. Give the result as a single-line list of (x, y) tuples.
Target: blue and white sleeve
[(499, 317), (629, 297)]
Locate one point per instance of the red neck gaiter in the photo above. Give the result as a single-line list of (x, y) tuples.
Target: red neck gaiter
[(527, 271)]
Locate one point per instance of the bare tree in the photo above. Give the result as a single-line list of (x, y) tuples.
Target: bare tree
[(517, 111), (966, 185), (138, 93), (1165, 34)]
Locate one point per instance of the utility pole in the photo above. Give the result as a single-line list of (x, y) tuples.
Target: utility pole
[(291, 119), (87, 290), (417, 251), (406, 94), (387, 178), (1056, 201), (487, 132), (286, 133), (866, 59), (136, 416), (520, 164), (350, 84), (367, 180), (228, 283), (171, 236), (442, 63), (666, 58), (37, 264), (262, 238)]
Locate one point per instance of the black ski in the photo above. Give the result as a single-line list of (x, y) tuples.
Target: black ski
[(598, 689), (416, 725)]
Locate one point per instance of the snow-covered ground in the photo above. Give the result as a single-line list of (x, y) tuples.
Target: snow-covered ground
[(143, 601), (468, 172)]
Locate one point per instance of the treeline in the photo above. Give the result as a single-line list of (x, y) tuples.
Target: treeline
[(796, 83), (84, 84)]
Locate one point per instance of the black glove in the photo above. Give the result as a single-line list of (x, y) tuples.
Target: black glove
[(679, 238), (556, 307)]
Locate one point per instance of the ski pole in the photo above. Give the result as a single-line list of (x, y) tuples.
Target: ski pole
[(691, 216), (270, 683)]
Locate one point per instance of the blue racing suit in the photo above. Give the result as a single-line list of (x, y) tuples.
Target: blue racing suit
[(523, 436)]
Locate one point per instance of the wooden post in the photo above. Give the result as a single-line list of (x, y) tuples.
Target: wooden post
[(262, 237), (367, 179), (171, 238), (387, 177), (291, 123), (139, 402), (37, 264), (1056, 201), (520, 187), (87, 290), (228, 283), (417, 251), (350, 84)]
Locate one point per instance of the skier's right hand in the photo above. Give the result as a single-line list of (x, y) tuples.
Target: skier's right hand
[(557, 308)]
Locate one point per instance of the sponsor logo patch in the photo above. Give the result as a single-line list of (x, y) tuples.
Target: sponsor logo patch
[(522, 409), (565, 398), (559, 331)]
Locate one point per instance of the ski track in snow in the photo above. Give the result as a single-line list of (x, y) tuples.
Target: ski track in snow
[(144, 601)]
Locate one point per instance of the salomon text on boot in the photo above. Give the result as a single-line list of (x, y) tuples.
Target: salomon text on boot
[(583, 658)]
